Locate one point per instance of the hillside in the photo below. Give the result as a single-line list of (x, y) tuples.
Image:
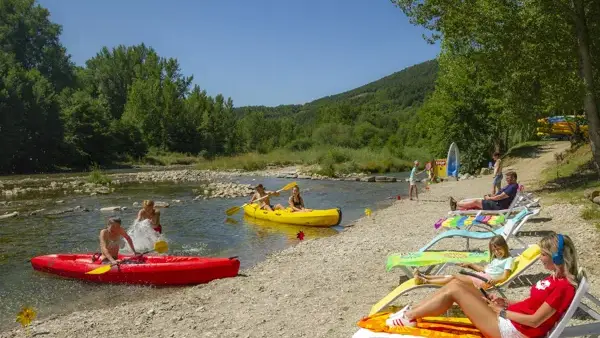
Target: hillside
[(397, 91)]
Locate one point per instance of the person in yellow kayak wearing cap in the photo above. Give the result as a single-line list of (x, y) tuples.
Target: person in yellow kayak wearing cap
[(265, 203), (412, 181)]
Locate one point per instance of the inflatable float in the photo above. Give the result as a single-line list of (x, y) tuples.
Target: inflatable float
[(149, 270), (315, 218)]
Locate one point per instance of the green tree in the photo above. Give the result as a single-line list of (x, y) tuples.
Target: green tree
[(528, 53), (27, 33), (30, 127)]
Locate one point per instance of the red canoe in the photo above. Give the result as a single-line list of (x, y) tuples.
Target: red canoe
[(150, 270)]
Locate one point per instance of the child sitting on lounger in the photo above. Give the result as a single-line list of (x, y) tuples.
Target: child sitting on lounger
[(496, 272)]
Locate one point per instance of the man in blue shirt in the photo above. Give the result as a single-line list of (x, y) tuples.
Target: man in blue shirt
[(502, 199)]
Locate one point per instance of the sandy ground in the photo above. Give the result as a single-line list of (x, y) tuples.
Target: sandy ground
[(321, 287)]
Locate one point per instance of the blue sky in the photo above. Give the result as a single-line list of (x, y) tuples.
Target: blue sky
[(258, 52)]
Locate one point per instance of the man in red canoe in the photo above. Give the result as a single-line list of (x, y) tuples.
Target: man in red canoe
[(110, 239)]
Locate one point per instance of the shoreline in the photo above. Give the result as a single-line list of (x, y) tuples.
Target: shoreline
[(319, 287), (16, 194)]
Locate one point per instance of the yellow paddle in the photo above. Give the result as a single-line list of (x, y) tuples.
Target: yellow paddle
[(160, 247), (234, 210)]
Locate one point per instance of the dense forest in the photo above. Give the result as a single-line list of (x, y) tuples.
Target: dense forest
[(129, 100), (377, 115), (504, 64), (125, 101), (501, 67)]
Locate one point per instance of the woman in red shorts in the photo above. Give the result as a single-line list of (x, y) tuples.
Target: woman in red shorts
[(498, 317)]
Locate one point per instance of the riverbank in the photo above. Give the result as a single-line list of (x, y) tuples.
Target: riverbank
[(320, 287)]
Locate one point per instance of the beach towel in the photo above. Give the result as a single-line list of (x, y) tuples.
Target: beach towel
[(438, 327), (461, 221)]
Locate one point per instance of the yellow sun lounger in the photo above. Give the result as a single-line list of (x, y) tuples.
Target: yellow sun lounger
[(527, 258), (374, 325)]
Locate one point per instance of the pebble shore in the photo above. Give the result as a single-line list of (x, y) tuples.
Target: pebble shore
[(322, 286)]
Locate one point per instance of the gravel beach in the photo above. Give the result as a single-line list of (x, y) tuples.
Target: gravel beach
[(322, 287)]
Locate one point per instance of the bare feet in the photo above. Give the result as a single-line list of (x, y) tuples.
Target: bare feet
[(420, 280), (452, 204)]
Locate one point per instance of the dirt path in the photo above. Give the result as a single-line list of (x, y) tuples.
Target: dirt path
[(530, 169), (321, 287)]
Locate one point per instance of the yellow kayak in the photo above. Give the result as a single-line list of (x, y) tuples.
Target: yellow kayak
[(315, 218), (263, 226)]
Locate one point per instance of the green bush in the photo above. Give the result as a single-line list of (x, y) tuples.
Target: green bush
[(96, 176), (300, 144)]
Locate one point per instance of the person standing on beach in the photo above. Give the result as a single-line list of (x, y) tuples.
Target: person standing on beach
[(497, 173), (412, 181)]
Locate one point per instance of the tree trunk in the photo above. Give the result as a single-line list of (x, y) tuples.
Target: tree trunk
[(590, 102)]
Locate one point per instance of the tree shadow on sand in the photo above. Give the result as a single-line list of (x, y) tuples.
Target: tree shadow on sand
[(528, 151)]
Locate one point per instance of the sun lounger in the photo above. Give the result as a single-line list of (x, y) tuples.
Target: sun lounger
[(511, 227), (560, 330), (522, 262)]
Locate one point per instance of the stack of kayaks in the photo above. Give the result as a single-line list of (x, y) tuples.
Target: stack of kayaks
[(561, 126), (149, 270), (316, 218)]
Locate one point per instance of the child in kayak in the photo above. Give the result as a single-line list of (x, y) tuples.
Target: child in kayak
[(110, 239), (296, 201), (497, 271)]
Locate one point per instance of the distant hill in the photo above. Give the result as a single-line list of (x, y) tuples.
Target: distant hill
[(393, 93)]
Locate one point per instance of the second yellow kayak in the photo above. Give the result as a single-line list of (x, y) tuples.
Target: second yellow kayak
[(316, 218)]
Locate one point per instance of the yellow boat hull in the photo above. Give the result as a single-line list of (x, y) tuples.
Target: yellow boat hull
[(263, 226), (315, 218)]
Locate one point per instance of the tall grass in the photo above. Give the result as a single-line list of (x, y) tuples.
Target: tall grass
[(573, 162), (160, 157), (331, 160), (96, 176)]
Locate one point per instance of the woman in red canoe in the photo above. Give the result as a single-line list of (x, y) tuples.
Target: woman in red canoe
[(148, 212), (110, 239)]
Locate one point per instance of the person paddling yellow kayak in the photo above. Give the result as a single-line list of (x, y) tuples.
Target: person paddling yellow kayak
[(265, 203)]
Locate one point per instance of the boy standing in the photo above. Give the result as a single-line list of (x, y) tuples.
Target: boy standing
[(497, 173), (412, 181)]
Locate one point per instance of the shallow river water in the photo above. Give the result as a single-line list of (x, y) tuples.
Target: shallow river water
[(193, 228)]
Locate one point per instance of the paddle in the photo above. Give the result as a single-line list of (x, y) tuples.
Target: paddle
[(160, 247), (234, 210)]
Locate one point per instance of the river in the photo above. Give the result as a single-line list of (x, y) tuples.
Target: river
[(193, 228)]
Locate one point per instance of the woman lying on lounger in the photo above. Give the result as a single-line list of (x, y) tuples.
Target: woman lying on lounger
[(498, 317), (502, 200)]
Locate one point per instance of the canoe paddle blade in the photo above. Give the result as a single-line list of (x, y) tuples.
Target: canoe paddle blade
[(161, 247), (232, 210), (98, 271)]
